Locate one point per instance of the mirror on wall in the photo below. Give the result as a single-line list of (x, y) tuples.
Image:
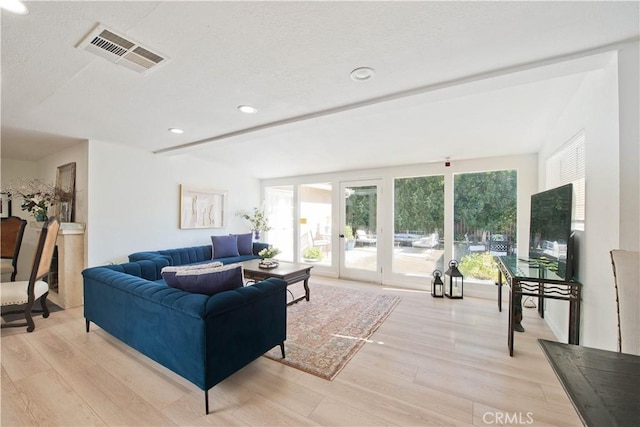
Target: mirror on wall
[(65, 204)]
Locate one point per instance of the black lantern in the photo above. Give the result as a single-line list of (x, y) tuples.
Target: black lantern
[(437, 286), (453, 281)]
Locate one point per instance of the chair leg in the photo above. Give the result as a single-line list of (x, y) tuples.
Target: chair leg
[(27, 314), (43, 303)]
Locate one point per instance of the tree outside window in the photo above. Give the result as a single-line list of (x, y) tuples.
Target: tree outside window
[(485, 221)]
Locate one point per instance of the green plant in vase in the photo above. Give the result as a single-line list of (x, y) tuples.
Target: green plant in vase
[(37, 196), (258, 220), (350, 241), (312, 254)]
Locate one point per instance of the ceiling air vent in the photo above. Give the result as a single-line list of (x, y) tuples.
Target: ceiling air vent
[(121, 50)]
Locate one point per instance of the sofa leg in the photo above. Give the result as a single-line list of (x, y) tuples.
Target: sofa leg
[(87, 323), (206, 402), (282, 349)]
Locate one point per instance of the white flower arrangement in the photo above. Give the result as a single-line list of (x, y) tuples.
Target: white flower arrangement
[(269, 252), (36, 195), (258, 219)]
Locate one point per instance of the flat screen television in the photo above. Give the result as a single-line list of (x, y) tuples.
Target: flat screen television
[(550, 235)]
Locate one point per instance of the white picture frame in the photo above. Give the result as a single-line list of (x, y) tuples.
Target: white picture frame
[(202, 207)]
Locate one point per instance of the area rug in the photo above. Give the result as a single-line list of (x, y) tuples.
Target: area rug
[(323, 334)]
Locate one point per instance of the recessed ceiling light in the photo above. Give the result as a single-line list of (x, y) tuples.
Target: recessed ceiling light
[(247, 109), (362, 74), (176, 131), (14, 6)]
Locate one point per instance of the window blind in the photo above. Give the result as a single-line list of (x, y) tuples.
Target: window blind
[(567, 165)]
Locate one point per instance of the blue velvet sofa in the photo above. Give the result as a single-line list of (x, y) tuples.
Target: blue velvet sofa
[(202, 338), (195, 254)]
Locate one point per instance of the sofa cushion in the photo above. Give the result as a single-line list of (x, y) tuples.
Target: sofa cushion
[(224, 246), (245, 243), (169, 272), (210, 281)]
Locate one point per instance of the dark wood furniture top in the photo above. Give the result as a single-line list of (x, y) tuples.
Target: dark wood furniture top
[(529, 278), (290, 272), (604, 386)]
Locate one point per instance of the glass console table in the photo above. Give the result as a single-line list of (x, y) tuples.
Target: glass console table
[(529, 278)]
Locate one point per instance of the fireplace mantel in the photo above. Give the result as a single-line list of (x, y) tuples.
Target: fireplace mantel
[(67, 267)]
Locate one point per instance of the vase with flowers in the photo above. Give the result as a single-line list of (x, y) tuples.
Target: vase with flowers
[(269, 252), (258, 220), (37, 196)]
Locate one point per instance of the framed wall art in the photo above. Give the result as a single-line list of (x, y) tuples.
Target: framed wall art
[(64, 206), (5, 205), (202, 207)]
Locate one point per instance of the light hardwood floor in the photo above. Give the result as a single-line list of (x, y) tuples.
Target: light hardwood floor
[(432, 362)]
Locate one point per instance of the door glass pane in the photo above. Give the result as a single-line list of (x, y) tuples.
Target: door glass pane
[(315, 223), (279, 210), (418, 225), (485, 212), (360, 238)]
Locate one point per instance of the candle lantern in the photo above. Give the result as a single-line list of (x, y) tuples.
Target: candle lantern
[(437, 286), (453, 281)]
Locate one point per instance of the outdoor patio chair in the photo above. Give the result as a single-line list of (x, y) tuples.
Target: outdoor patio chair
[(365, 239)]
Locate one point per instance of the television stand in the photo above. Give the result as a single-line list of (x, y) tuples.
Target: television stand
[(531, 279)]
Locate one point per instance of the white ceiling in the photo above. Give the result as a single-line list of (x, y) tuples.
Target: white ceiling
[(458, 79)]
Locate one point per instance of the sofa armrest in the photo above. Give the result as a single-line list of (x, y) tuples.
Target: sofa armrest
[(242, 325), (258, 246)]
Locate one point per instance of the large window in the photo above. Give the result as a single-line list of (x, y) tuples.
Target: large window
[(485, 213), (279, 210), (418, 225), (315, 223)]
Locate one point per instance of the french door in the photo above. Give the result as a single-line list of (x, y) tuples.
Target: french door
[(360, 230)]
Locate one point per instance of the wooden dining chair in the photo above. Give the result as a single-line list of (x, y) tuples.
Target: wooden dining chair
[(26, 293), (11, 233), (626, 275)]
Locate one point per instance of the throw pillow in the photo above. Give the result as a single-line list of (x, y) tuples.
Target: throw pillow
[(169, 273), (224, 246), (210, 281), (245, 243)]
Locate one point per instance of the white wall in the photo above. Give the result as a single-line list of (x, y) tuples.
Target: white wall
[(133, 200), (594, 108), (629, 102)]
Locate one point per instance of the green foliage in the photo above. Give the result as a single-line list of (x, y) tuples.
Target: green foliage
[(348, 232), (419, 204), (486, 201), (312, 253), (480, 266), (258, 219), (361, 208)]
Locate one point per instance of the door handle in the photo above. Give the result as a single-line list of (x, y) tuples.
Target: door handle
[(342, 236)]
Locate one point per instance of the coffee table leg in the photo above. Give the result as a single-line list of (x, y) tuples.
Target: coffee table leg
[(306, 289)]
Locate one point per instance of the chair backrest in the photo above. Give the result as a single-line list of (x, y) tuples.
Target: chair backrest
[(44, 250), (11, 235), (626, 274)]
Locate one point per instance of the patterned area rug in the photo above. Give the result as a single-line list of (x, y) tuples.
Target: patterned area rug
[(324, 333)]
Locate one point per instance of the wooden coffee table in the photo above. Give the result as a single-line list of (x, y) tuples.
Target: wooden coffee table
[(290, 272)]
